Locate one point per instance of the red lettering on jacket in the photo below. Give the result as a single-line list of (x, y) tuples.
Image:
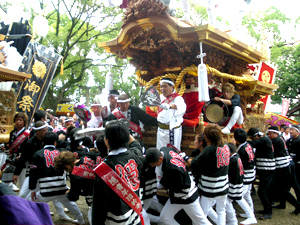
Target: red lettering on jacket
[(223, 156), (250, 153), (50, 156), (129, 173), (177, 160), (242, 172)]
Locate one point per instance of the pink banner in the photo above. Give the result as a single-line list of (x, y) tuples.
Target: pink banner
[(285, 106)]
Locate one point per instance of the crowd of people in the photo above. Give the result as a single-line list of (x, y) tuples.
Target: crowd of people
[(120, 179)]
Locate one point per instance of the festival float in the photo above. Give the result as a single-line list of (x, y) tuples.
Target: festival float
[(8, 75), (26, 71), (160, 45)]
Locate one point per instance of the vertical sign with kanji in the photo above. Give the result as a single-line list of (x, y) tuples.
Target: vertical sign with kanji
[(41, 62)]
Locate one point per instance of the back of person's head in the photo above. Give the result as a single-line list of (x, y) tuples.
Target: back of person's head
[(117, 135), (75, 142), (39, 115), (114, 92), (152, 155), (23, 116), (200, 138), (232, 148), (50, 138), (64, 158), (240, 135), (253, 131), (69, 129), (101, 146), (228, 87), (213, 134)]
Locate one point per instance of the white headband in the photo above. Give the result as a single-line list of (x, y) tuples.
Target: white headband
[(39, 128), (166, 81), (123, 101), (68, 120), (258, 133), (291, 126), (96, 104), (275, 131)]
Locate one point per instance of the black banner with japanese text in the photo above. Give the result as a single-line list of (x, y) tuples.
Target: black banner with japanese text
[(41, 62)]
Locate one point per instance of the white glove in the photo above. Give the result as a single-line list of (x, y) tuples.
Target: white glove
[(165, 106), (182, 154)]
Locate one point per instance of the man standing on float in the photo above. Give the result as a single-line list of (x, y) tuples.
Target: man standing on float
[(170, 116)]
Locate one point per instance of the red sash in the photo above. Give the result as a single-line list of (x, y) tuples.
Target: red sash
[(85, 173), (169, 99), (132, 125), (14, 146), (120, 188)]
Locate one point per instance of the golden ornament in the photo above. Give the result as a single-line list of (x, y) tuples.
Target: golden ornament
[(266, 77), (39, 69)]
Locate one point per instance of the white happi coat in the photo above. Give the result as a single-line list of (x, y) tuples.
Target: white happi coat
[(95, 122), (173, 118)]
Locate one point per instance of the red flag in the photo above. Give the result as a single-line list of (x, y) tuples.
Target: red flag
[(266, 74)]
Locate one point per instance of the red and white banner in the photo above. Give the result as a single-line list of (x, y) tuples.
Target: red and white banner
[(285, 107), (121, 188), (267, 75)]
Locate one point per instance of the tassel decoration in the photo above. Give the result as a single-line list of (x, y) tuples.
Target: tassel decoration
[(203, 94)]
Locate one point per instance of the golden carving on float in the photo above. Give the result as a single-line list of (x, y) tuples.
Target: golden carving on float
[(145, 24), (174, 32), (39, 69)]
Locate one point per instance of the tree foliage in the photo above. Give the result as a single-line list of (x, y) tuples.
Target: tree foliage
[(76, 26), (288, 74), (75, 29), (285, 56), (265, 22)]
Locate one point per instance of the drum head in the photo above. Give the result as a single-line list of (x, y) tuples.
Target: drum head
[(214, 113)]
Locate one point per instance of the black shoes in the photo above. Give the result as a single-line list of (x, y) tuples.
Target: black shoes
[(279, 206), (266, 216), (261, 212), (297, 211)]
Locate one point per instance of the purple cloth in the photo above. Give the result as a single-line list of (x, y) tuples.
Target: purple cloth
[(77, 125), (16, 210)]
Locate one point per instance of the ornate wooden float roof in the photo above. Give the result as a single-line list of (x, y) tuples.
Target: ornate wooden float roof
[(177, 31), (12, 75), (158, 43)]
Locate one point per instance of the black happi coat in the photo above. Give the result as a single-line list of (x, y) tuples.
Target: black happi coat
[(236, 177), (42, 171), (211, 170), (107, 205), (176, 178)]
